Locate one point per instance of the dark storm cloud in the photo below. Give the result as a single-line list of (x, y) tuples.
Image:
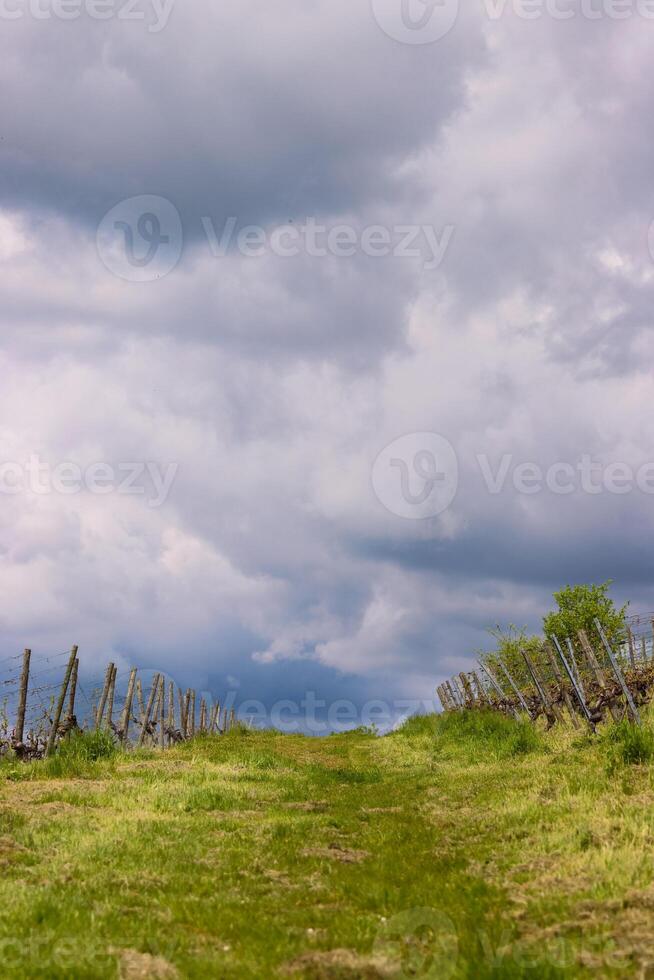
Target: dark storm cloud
[(263, 113), (274, 383)]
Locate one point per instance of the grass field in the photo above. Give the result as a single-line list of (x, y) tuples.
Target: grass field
[(465, 846)]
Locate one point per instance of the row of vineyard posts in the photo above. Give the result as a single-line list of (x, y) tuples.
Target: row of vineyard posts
[(163, 716), (586, 682)]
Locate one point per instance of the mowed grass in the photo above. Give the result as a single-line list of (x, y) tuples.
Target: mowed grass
[(464, 846)]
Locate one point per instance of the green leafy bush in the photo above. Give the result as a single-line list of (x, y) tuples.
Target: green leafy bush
[(511, 643), (578, 608)]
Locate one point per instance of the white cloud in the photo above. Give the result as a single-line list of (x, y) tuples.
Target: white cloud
[(273, 384)]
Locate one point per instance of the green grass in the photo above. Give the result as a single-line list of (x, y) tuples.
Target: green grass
[(467, 846)]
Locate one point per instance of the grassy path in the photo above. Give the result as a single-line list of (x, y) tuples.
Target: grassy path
[(451, 849)]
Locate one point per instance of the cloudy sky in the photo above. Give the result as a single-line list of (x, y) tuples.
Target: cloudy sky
[(327, 331)]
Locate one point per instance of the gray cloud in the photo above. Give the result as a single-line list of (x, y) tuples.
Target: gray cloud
[(273, 383)]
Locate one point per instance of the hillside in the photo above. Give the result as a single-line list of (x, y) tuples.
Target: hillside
[(461, 846)]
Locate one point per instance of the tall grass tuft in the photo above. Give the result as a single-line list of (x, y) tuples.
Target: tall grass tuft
[(629, 744), (78, 754), (486, 734)]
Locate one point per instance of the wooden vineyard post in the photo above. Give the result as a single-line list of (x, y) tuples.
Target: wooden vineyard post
[(498, 690), (618, 673), (22, 701), (109, 673), (187, 713), (496, 687), (203, 714), (454, 693), (593, 662), (60, 702), (170, 721), (515, 688), (232, 719), (551, 711), (474, 694), (127, 709), (72, 693), (558, 676), (573, 681), (156, 711), (162, 708), (182, 721), (481, 693), (110, 699), (139, 699), (192, 714), (632, 649), (595, 667), (148, 710), (575, 665), (465, 683), (482, 690), (444, 699)]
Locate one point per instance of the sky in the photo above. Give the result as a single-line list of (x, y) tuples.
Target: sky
[(326, 333)]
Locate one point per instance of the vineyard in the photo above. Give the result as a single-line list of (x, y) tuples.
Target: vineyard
[(476, 843), (585, 680), (39, 710)]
